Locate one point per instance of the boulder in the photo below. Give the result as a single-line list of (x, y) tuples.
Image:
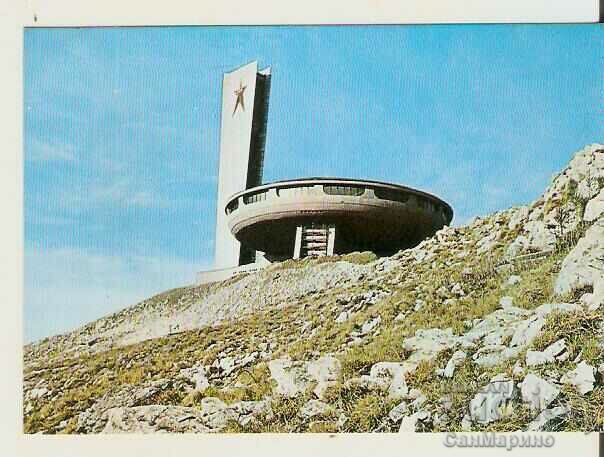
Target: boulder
[(38, 392), (583, 266), (456, 359), (537, 392), (291, 377), (155, 419), (540, 237), (198, 376), (294, 378), (412, 423), (212, 415), (370, 325), (506, 302), (517, 247), (93, 419), (458, 290), (389, 376), (581, 377), (549, 355), (493, 401), (398, 412), (426, 344), (594, 208), (543, 421), (419, 304), (518, 217), (342, 317), (518, 370), (215, 413), (248, 411), (313, 408), (593, 300), (325, 371), (527, 330)]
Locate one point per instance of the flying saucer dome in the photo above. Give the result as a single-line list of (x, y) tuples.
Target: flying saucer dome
[(368, 215)]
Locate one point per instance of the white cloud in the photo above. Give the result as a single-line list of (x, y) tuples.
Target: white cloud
[(67, 288), (40, 151), (120, 193)]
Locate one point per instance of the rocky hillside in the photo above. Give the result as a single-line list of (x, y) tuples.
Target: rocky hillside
[(497, 325)]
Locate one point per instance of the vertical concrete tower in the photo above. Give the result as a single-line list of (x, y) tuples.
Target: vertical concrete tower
[(245, 94)]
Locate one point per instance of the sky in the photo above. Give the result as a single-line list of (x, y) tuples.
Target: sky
[(122, 125)]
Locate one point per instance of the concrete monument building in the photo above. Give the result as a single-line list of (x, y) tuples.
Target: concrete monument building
[(257, 224), (245, 93)]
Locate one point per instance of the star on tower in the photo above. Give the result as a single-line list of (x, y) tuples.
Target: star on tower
[(239, 101)]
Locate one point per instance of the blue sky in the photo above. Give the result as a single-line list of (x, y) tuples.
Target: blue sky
[(122, 132)]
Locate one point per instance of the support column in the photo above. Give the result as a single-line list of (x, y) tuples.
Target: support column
[(298, 243), (331, 239)]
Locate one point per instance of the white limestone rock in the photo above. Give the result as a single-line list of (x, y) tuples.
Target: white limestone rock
[(215, 413), (388, 376), (466, 423), (426, 344), (486, 244), (342, 317), (412, 423), (291, 377), (517, 247), (518, 370), (248, 411), (527, 330), (583, 266), (549, 355), (393, 374), (518, 217), (594, 208), (593, 300), (581, 377), (313, 408), (513, 280), (489, 356), (398, 412), (458, 290), (370, 325), (537, 392), (540, 237), (418, 402), (325, 371), (493, 401), (197, 375), (494, 328), (543, 420), (506, 302), (400, 317), (155, 419), (456, 359)]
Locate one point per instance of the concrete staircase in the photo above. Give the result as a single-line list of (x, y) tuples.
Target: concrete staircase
[(314, 241)]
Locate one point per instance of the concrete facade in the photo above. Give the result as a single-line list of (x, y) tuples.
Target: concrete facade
[(344, 215), (245, 93)]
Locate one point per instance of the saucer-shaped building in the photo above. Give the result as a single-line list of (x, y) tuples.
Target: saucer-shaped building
[(297, 218), (259, 223)]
